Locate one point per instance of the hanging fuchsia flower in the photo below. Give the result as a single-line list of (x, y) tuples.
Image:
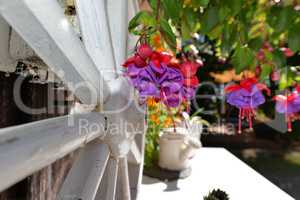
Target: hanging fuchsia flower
[(297, 89), (246, 96), (287, 52), (154, 74), (189, 70), (145, 55), (288, 105)]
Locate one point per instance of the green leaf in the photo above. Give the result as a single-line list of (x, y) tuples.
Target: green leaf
[(280, 18), (242, 58), (256, 43), (268, 55), (216, 32), (200, 3), (142, 18), (172, 9), (190, 18), (210, 19), (232, 38), (286, 79), (185, 30), (279, 59), (153, 4), (227, 42), (266, 69), (168, 34), (294, 37), (223, 13), (234, 5)]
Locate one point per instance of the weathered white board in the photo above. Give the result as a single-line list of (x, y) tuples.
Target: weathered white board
[(27, 148)]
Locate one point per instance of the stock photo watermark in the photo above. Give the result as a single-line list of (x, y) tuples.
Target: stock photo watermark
[(98, 94)]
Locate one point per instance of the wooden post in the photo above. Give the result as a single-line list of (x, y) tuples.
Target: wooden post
[(8, 110), (45, 183), (10, 115)]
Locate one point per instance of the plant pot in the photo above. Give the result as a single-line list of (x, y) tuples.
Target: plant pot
[(176, 149)]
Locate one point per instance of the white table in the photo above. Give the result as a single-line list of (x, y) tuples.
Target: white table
[(214, 168)]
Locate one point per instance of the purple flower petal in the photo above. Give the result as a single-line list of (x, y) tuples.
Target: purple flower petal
[(165, 83), (288, 108), (172, 100), (188, 92), (243, 98)]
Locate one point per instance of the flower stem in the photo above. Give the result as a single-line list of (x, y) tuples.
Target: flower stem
[(169, 111), (157, 10), (240, 121)]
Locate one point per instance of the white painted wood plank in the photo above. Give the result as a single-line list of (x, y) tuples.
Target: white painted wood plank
[(124, 176), (108, 185), (18, 48), (118, 18), (54, 40), (136, 170), (84, 178), (131, 39), (28, 148), (134, 155), (130, 115), (214, 168), (96, 35), (112, 174)]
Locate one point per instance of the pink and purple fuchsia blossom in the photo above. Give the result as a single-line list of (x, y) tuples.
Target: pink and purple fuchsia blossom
[(154, 76), (246, 96), (288, 105), (162, 83)]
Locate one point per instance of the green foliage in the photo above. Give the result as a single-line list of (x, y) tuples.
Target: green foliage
[(242, 58), (153, 4), (209, 19), (266, 70), (279, 59), (168, 34), (172, 9), (286, 79), (279, 18), (151, 145), (238, 28), (294, 37), (200, 3), (156, 115), (143, 18)]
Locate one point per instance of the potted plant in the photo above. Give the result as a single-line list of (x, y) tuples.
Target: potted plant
[(177, 146), (166, 84)]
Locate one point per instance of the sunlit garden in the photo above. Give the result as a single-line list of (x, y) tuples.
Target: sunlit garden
[(224, 72)]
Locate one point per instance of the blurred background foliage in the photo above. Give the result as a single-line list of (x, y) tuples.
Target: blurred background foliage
[(254, 35)]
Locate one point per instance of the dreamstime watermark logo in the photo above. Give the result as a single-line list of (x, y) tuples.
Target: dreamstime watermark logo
[(101, 95)]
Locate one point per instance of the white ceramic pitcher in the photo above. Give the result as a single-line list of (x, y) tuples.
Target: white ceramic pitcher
[(177, 148)]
